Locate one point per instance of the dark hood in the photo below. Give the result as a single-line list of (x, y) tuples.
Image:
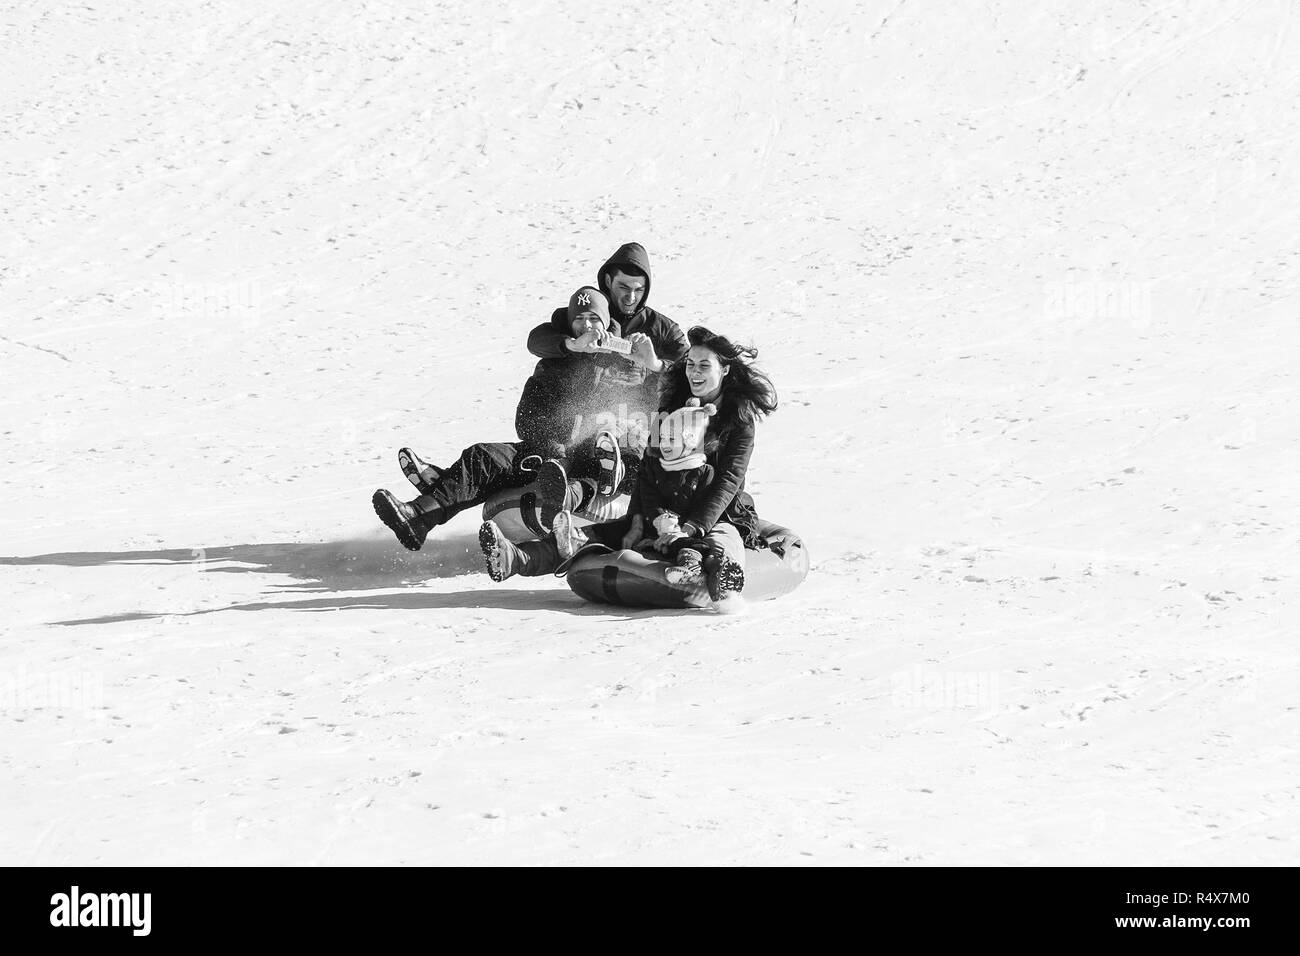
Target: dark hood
[(629, 254)]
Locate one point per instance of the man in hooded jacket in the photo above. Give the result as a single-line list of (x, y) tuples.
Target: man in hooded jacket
[(625, 280), (656, 342)]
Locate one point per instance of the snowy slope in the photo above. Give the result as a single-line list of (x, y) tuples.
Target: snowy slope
[(1024, 274)]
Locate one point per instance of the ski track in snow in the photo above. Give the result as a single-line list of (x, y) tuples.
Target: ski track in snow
[(1025, 277)]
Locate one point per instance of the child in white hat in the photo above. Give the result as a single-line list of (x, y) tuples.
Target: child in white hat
[(672, 479)]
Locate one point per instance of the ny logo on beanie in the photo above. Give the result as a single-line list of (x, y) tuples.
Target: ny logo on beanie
[(589, 301)]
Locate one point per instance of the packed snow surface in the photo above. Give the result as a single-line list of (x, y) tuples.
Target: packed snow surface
[(1024, 274)]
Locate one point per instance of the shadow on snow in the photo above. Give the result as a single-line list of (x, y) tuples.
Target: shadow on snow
[(356, 564), (361, 564)]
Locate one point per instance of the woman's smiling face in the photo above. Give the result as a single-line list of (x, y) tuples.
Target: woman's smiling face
[(704, 372)]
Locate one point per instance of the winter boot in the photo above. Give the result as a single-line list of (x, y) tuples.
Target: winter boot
[(724, 577), (609, 461), (499, 552), (556, 492), (505, 559), (687, 567), (418, 472), (569, 538), (410, 521)]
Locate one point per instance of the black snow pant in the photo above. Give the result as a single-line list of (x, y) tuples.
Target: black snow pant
[(484, 469), (543, 557), (480, 472)]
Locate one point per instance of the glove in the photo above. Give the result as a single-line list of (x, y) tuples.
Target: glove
[(666, 523), (778, 544)]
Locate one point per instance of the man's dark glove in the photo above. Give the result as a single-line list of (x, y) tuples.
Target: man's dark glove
[(782, 541)]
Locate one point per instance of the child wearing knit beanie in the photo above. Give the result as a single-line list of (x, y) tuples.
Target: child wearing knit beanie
[(672, 478)]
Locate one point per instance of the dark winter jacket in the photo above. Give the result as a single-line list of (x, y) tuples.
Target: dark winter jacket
[(680, 492), (547, 339), (566, 399), (728, 446)]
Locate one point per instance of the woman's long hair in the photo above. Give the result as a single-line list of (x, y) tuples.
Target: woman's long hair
[(747, 393)]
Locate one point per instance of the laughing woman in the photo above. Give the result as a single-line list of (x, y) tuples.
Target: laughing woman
[(691, 498)]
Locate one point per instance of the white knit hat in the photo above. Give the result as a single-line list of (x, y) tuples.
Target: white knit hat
[(681, 435)]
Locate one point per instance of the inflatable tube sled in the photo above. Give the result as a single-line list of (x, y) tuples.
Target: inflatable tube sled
[(519, 516), (632, 579)]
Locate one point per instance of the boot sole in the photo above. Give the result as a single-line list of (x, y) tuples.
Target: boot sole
[(552, 490), (610, 478), (487, 541), (406, 461), (386, 510), (676, 575), (729, 579)]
